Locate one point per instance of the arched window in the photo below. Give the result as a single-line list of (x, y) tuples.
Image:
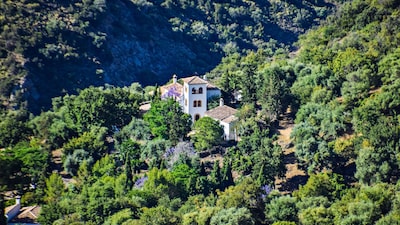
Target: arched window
[(194, 103), (193, 90), (196, 117), (198, 103), (201, 90)]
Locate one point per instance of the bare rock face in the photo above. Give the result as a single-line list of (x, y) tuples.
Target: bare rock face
[(143, 47), (60, 47), (149, 62), (124, 44)]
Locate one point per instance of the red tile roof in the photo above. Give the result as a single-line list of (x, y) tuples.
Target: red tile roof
[(223, 113), (178, 87), (27, 215), (194, 80)]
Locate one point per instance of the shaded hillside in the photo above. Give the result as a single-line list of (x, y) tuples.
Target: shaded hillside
[(49, 48), (342, 89)]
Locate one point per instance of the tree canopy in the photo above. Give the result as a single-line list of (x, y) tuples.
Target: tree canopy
[(95, 158), (208, 133), (166, 120)]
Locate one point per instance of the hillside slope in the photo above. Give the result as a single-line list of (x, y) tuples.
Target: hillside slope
[(49, 48)]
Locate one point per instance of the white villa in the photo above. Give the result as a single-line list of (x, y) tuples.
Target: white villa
[(16, 214), (193, 96), (227, 118)]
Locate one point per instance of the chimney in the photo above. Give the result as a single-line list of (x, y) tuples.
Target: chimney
[(174, 78), (205, 77), (18, 200), (221, 102)]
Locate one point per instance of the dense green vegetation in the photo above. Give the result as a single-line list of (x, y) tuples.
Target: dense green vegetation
[(341, 88), (50, 48)]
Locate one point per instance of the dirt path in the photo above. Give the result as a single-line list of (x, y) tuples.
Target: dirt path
[(294, 176), (57, 167)]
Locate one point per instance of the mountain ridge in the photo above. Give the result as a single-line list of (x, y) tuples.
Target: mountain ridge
[(58, 47)]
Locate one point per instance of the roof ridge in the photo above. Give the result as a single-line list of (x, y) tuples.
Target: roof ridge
[(11, 207), (193, 78), (171, 84), (221, 112)]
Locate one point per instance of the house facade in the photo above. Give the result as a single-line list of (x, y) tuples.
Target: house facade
[(173, 90), (226, 116), (16, 214), (12, 211), (193, 96)]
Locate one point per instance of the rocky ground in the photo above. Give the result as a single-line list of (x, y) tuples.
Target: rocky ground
[(294, 176)]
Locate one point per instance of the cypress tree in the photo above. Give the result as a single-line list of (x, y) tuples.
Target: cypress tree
[(227, 178), (128, 172), (261, 179), (202, 169), (215, 176)]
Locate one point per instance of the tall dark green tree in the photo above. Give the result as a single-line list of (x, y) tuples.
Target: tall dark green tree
[(275, 95), (227, 178), (13, 129), (208, 133), (130, 151), (281, 209), (216, 176), (256, 154), (111, 107), (248, 85), (54, 191), (167, 121), (23, 165), (268, 162)]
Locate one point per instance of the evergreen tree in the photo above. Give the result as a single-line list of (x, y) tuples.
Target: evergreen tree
[(227, 178), (202, 171), (281, 209), (275, 93), (167, 121), (215, 176), (202, 185), (248, 85), (208, 133), (54, 188), (52, 210), (129, 176)]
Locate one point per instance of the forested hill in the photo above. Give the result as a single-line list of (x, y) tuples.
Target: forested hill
[(341, 164), (49, 48)]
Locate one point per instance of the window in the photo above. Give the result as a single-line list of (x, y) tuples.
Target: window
[(193, 90), (196, 103), (201, 90), (196, 117)]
